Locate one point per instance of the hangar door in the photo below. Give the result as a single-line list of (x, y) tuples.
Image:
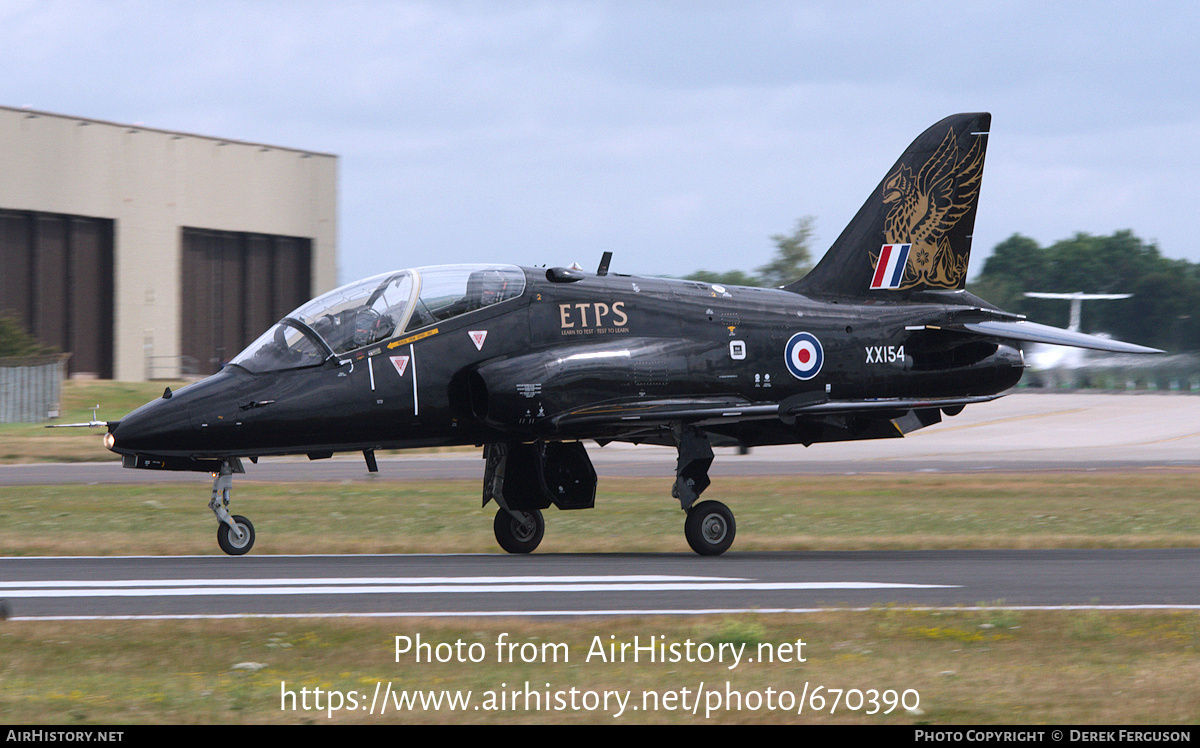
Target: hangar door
[(234, 286), (57, 282)]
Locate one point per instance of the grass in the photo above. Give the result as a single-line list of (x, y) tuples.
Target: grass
[(987, 666), (1140, 509)]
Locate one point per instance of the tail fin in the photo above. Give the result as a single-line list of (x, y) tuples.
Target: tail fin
[(914, 232)]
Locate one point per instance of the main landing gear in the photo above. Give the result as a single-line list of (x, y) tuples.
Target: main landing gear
[(235, 533), (709, 527), (524, 479)]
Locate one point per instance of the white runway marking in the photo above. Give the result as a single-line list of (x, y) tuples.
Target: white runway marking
[(273, 581), (415, 585), (589, 613)]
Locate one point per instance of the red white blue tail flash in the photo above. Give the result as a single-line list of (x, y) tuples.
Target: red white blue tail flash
[(889, 271)]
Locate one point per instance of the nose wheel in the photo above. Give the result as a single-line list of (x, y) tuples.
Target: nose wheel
[(709, 528), (230, 542)]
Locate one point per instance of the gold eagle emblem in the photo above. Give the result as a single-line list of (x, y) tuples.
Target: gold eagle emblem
[(926, 206)]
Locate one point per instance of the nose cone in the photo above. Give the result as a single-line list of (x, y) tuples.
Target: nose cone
[(209, 418), (160, 427)]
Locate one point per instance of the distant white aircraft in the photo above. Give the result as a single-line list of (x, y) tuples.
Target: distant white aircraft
[(1044, 357)]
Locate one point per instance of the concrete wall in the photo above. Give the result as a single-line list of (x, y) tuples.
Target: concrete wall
[(153, 183), (31, 387)]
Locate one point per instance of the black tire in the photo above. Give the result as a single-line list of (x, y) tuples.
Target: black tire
[(710, 528), (229, 543), (518, 537)]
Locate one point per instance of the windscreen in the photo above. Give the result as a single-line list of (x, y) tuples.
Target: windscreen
[(361, 313), (376, 309), (284, 346)]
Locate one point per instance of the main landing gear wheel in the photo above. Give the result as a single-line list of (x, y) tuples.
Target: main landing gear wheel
[(709, 528), (230, 542), (519, 536)]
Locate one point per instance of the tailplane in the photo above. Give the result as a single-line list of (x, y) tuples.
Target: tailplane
[(914, 232)]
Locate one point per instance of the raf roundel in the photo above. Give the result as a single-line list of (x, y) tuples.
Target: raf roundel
[(804, 355)]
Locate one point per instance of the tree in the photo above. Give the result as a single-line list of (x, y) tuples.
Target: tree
[(14, 341), (729, 278), (1015, 266), (793, 258), (1164, 291)]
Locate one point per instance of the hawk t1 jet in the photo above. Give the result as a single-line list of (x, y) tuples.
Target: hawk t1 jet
[(878, 340)]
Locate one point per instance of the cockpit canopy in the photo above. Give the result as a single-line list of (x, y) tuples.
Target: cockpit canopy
[(376, 309)]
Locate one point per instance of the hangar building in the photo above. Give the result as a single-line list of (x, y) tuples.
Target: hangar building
[(153, 254)]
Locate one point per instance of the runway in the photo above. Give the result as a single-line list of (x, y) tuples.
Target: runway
[(591, 585), (1023, 432)]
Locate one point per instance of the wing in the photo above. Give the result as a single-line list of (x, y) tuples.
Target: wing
[(634, 416)]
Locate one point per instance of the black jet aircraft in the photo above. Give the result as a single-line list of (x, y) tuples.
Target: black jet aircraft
[(878, 340)]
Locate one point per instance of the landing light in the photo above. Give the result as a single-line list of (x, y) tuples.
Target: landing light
[(110, 440)]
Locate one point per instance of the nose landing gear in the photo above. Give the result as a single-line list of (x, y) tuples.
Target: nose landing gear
[(235, 533)]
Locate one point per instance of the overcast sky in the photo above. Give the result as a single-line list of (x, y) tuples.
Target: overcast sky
[(679, 135)]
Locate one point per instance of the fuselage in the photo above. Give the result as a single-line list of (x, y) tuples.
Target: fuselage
[(511, 369)]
